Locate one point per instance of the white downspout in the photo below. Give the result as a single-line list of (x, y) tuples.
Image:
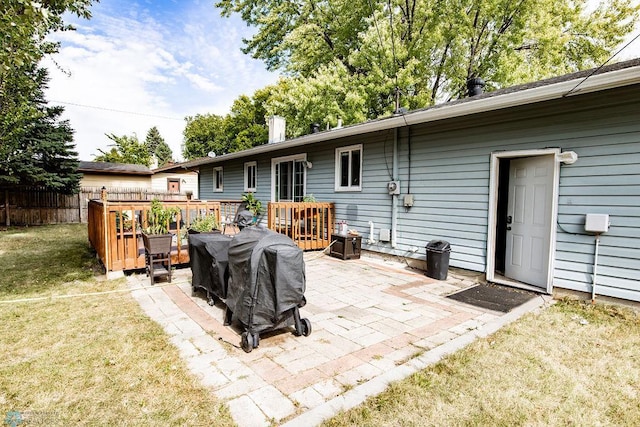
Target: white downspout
[(394, 198)]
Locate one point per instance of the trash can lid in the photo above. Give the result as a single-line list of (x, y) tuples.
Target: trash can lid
[(438, 246)]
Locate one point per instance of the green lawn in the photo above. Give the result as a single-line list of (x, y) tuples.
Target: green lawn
[(92, 360), (573, 364)]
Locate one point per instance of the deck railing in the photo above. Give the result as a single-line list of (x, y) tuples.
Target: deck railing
[(309, 224), (115, 229)]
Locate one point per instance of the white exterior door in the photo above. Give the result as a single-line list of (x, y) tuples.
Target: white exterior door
[(530, 204)]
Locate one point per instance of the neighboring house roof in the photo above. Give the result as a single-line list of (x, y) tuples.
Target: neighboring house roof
[(113, 168), (173, 167), (594, 80)]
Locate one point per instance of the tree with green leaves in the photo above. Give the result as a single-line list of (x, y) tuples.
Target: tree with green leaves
[(24, 26), (244, 127), (157, 147), (361, 58), (125, 149), (203, 133), (44, 154)]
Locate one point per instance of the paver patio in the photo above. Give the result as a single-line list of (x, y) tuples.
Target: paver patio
[(374, 321)]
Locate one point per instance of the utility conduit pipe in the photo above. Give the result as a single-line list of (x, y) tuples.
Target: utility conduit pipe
[(371, 240), (595, 268), (394, 198)]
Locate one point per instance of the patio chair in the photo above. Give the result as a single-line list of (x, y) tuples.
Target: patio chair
[(234, 222)]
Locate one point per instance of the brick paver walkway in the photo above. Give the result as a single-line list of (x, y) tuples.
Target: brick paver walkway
[(373, 322)]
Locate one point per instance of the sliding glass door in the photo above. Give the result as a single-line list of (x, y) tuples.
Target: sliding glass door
[(289, 178)]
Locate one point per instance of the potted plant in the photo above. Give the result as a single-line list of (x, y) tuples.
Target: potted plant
[(204, 224), (156, 236), (253, 205)]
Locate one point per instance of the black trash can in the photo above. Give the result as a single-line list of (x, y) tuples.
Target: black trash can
[(438, 259)]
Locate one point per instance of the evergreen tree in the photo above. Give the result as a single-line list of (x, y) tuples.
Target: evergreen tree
[(153, 139), (42, 150), (164, 154), (24, 26), (156, 146)]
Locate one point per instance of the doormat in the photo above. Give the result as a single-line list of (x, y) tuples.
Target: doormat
[(493, 297)]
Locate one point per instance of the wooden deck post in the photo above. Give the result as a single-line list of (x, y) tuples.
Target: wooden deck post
[(105, 219)]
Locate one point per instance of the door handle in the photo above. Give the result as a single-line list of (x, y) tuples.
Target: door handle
[(508, 228), (509, 219)]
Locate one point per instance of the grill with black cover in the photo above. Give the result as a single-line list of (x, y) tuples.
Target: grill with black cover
[(209, 259), (266, 284)]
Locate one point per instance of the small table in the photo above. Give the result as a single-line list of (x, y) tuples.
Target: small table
[(346, 246)]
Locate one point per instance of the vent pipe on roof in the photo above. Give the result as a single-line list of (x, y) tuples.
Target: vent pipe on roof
[(474, 86), (314, 127)]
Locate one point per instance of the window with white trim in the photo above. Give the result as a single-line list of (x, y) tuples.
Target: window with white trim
[(218, 181), (250, 176), (349, 168)]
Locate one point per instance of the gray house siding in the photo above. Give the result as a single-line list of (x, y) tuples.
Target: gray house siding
[(606, 179), (449, 176), (233, 180), (450, 181), (372, 203)]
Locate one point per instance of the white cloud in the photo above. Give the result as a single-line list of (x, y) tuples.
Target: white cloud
[(130, 71), (202, 82)]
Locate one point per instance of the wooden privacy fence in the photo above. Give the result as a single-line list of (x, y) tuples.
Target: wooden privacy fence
[(35, 206), (115, 228), (308, 224)]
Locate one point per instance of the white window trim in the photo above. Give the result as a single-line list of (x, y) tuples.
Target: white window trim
[(247, 165), (215, 180), (339, 150), (276, 160)]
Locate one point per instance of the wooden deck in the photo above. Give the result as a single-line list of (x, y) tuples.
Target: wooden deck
[(308, 224), (114, 227)]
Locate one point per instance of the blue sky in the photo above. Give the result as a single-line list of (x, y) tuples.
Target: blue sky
[(138, 64)]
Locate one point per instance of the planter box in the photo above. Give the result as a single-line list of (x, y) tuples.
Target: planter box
[(157, 243)]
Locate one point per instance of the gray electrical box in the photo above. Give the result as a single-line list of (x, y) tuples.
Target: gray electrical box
[(596, 223), (385, 235), (408, 200)]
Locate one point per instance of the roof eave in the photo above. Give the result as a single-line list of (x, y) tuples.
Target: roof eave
[(112, 172), (595, 83)]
